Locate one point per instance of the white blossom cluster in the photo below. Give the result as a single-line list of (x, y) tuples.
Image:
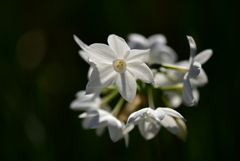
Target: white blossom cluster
[(134, 78)]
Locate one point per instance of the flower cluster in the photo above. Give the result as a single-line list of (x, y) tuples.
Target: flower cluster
[(139, 76)]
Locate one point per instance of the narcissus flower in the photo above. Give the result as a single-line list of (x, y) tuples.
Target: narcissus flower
[(159, 51), (99, 119), (116, 64), (150, 121), (190, 72)]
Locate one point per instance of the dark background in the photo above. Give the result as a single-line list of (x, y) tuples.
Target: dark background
[(41, 71)]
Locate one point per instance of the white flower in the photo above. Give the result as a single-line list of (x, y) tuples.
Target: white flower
[(201, 57), (147, 114), (99, 119), (116, 64), (190, 72), (194, 71), (159, 51), (150, 121)]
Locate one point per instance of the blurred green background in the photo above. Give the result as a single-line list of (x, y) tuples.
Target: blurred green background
[(41, 71)]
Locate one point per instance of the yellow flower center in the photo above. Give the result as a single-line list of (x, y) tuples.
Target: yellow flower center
[(119, 65)]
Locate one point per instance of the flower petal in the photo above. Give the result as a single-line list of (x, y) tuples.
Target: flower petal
[(141, 71), (148, 129), (136, 56), (200, 80), (182, 129), (161, 53), (101, 53), (187, 93), (196, 94), (193, 48), (118, 45), (98, 121), (100, 131), (169, 123), (84, 55), (159, 113), (89, 113), (135, 115), (85, 122), (115, 129), (90, 71), (81, 105), (194, 70), (203, 56), (103, 75), (137, 41), (173, 113), (126, 85), (80, 43), (157, 38)]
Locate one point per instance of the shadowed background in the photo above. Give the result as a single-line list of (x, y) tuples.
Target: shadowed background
[(41, 71)]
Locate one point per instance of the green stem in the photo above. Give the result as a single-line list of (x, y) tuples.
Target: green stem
[(177, 86), (117, 108), (108, 98), (150, 97), (175, 67)]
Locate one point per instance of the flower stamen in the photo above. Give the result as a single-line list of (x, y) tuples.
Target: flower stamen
[(119, 65)]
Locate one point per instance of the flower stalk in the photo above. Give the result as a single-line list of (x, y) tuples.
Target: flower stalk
[(118, 107), (108, 98)]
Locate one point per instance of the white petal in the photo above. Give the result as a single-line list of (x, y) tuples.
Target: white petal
[(90, 71), (80, 94), (141, 71), (193, 48), (169, 123), (136, 56), (115, 129), (162, 80), (157, 38), (84, 55), (173, 113), (196, 94), (128, 127), (194, 70), (80, 105), (98, 121), (182, 129), (200, 80), (137, 41), (102, 76), (148, 129), (85, 122), (183, 63), (157, 114), (161, 53), (80, 43), (187, 93), (89, 113), (203, 56), (100, 131), (94, 90), (101, 53), (118, 45), (135, 115), (126, 85)]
